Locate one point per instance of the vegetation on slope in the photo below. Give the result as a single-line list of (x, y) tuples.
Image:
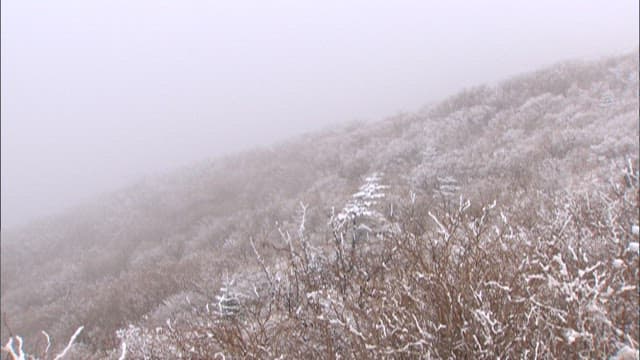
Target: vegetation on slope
[(549, 270)]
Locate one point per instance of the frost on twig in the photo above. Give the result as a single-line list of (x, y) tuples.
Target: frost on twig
[(71, 341), (123, 354), (20, 354)]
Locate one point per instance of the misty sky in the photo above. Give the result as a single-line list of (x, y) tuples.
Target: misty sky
[(96, 94)]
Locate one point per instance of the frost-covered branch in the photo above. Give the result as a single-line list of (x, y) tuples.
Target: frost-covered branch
[(71, 341), (20, 354)]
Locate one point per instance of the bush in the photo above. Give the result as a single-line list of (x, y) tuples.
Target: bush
[(551, 276)]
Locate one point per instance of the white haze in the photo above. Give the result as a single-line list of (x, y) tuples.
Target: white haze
[(96, 94)]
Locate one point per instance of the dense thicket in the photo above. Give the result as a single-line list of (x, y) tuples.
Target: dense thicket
[(552, 276), (433, 268)]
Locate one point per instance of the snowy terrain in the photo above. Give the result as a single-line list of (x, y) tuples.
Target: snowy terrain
[(500, 223)]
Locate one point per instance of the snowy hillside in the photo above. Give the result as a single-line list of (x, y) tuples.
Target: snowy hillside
[(500, 223)]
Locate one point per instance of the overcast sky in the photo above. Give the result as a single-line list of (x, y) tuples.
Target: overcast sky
[(96, 94)]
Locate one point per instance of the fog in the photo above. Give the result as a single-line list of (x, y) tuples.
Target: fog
[(97, 94)]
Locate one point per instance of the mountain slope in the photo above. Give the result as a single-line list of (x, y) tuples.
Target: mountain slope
[(139, 252)]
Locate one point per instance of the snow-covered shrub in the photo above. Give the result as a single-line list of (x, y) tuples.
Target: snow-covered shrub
[(554, 275)]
